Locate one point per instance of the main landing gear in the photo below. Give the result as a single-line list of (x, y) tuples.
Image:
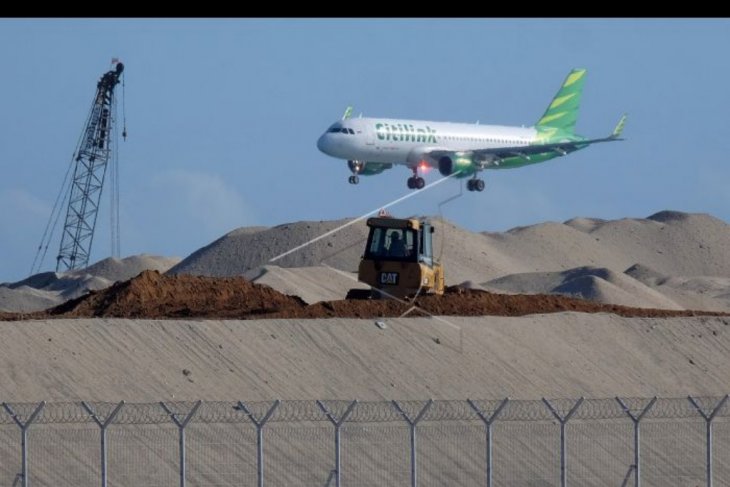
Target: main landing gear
[(416, 182), (353, 180), (475, 185)]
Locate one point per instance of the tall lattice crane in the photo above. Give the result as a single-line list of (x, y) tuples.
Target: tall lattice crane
[(93, 155)]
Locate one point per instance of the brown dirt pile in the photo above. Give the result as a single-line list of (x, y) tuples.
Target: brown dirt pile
[(470, 302), (151, 295)]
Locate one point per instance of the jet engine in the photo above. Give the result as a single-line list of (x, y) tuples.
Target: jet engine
[(362, 168), (462, 164)]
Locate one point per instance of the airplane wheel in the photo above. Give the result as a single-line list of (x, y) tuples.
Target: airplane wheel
[(470, 185), (411, 183), (479, 185), (419, 183), (353, 180)]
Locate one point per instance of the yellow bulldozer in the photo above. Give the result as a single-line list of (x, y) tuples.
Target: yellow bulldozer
[(398, 260)]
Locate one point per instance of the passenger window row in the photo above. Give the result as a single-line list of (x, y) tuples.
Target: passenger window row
[(487, 139)]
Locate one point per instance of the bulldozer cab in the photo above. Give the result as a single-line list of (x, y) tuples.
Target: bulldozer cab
[(399, 241), (398, 259)]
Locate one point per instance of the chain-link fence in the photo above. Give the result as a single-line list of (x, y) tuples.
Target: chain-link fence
[(683, 442)]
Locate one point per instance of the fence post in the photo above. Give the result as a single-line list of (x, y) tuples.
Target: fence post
[(637, 436), (413, 423), (181, 427), (488, 420), (259, 424), (563, 420), (338, 423), (24, 436), (708, 424), (103, 424)]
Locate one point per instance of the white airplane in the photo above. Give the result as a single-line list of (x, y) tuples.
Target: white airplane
[(372, 145)]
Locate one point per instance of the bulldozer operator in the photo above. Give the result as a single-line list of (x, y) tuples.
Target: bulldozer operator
[(397, 246)]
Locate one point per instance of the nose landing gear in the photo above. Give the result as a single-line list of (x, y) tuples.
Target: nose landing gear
[(353, 180), (416, 182)]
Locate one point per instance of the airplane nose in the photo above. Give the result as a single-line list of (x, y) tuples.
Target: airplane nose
[(322, 144)]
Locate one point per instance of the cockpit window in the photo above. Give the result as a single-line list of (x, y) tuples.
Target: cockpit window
[(336, 129)]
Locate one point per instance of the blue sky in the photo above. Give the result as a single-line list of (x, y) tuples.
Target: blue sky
[(223, 118)]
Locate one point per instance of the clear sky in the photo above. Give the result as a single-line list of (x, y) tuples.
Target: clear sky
[(223, 118)]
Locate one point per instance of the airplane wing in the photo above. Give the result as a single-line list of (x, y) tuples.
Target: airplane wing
[(496, 153), (561, 148)]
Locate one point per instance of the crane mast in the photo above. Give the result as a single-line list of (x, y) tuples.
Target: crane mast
[(91, 158)]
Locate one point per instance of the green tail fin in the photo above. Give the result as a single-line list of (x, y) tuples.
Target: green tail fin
[(563, 110)]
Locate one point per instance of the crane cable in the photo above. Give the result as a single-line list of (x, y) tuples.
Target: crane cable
[(124, 106), (48, 225), (116, 165), (114, 193), (53, 220)]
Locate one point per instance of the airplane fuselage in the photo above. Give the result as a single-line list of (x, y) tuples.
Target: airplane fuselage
[(408, 142)]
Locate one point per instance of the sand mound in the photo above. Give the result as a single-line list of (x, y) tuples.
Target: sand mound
[(593, 283), (41, 280), (666, 245), (247, 230), (151, 295), (244, 249), (669, 242), (466, 255), (47, 289), (469, 285), (552, 246), (114, 269), (585, 224), (110, 269), (25, 299), (312, 284), (699, 292), (667, 216), (646, 274), (600, 290)]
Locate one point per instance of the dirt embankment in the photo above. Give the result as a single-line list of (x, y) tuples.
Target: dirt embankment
[(155, 296)]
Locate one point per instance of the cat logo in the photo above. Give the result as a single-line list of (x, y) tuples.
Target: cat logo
[(389, 278)]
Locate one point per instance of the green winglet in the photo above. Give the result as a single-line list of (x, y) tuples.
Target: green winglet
[(619, 127), (347, 114)]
